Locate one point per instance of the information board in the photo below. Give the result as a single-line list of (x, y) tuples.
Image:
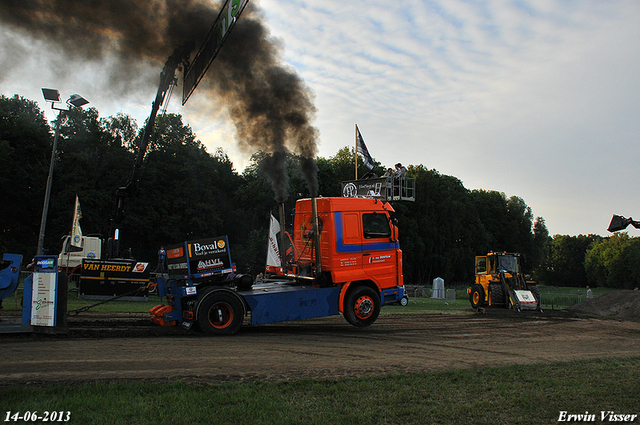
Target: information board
[(44, 291)]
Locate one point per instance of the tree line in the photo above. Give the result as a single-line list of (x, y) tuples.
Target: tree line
[(186, 193)]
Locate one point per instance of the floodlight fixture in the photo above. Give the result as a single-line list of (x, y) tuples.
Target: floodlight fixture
[(51, 95), (77, 101)]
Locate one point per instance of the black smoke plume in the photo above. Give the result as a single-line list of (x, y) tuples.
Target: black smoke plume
[(270, 105)]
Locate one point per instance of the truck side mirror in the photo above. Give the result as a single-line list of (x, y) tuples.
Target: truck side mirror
[(394, 229)]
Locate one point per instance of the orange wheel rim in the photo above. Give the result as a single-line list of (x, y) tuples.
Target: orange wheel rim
[(364, 307), (476, 297), (220, 315)]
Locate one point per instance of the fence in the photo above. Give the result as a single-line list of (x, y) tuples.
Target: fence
[(418, 291), (561, 300)]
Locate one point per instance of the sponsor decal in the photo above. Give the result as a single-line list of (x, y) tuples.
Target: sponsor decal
[(347, 262), (107, 267), (175, 252), (177, 266), (378, 259), (197, 249), (46, 263), (140, 267), (349, 190), (209, 264)]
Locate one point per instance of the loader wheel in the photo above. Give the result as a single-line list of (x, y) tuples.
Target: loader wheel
[(220, 314), (497, 295), (536, 293), (477, 296), (362, 306)]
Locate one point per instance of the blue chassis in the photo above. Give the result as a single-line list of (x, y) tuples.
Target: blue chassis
[(272, 302)]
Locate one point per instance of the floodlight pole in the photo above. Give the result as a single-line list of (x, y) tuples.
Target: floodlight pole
[(75, 101), (47, 194)]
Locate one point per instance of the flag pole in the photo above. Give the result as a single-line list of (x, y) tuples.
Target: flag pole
[(356, 151)]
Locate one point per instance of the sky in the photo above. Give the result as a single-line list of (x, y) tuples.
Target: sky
[(537, 99)]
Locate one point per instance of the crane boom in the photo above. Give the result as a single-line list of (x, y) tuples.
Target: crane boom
[(167, 78)]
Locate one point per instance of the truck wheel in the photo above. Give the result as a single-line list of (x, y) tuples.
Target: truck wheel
[(362, 306), (404, 301), (220, 314), (477, 296)]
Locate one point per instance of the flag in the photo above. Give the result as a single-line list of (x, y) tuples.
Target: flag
[(76, 232), (361, 148), (273, 253)]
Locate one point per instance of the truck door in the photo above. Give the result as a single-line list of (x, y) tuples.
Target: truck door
[(348, 244), (379, 259)]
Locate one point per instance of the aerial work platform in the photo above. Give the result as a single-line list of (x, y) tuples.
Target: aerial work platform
[(383, 188)]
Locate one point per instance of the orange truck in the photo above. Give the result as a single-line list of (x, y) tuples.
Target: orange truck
[(343, 257)]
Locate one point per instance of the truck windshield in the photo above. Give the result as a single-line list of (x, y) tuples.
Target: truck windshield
[(375, 225), (67, 247), (508, 263)]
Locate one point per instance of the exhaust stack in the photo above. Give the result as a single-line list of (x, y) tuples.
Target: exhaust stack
[(282, 239), (316, 236)]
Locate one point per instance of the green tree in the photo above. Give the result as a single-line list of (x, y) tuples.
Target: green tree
[(565, 265), (187, 193), (440, 230), (92, 163), (541, 242), (25, 154), (614, 262)]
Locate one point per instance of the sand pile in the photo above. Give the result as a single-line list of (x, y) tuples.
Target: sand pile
[(623, 304)]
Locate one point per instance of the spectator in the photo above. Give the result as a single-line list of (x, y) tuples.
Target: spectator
[(162, 254), (398, 178), (401, 171), (589, 293)]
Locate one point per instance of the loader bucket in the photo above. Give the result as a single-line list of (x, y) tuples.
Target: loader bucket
[(618, 223)]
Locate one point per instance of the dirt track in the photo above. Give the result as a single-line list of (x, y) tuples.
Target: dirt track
[(132, 349)]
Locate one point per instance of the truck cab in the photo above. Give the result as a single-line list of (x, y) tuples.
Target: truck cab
[(70, 257), (358, 242)]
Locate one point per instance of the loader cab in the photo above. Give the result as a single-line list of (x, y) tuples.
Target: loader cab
[(481, 265), (508, 263), (494, 263)]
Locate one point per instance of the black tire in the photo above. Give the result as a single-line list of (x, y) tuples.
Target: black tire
[(477, 296), (404, 301), (220, 313), (497, 294), (362, 306)]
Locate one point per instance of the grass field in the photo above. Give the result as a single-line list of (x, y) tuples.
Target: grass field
[(523, 394)]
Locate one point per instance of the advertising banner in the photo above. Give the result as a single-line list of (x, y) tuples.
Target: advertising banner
[(199, 258), (222, 26), (107, 278), (44, 291), (367, 188)]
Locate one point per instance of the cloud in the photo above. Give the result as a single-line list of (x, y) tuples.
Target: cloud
[(535, 99)]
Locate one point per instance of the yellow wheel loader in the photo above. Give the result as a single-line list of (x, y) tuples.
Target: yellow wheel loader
[(500, 283)]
